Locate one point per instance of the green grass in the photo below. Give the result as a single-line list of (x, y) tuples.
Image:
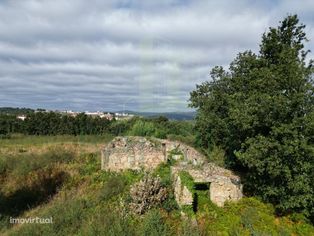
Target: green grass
[(23, 163), (31, 140), (247, 217), (60, 177), (187, 180), (164, 172)]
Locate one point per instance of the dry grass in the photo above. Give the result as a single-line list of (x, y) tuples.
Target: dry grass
[(40, 144), (77, 209)]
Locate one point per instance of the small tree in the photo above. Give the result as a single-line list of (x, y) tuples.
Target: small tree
[(147, 194), (261, 112)]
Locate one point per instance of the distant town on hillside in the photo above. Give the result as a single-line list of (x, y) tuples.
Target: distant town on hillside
[(21, 113)]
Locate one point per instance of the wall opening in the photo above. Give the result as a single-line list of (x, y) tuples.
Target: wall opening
[(200, 189), (164, 150), (201, 186), (195, 202)]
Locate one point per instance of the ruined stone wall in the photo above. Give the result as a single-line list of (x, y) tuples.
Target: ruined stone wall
[(182, 195), (189, 153), (223, 184), (132, 153), (138, 152), (224, 189)]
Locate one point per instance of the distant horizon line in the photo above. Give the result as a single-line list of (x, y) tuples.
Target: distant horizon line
[(82, 111)]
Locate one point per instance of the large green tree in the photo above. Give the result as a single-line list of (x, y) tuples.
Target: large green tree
[(261, 111)]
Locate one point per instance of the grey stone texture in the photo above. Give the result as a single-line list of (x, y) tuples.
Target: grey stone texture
[(132, 153), (147, 153), (224, 185)]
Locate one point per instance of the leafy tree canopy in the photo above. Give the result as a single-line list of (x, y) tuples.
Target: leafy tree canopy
[(261, 111)]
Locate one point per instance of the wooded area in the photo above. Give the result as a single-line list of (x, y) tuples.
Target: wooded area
[(261, 112)]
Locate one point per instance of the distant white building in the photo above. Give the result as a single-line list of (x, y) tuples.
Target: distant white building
[(21, 117), (70, 113), (107, 116), (123, 116)]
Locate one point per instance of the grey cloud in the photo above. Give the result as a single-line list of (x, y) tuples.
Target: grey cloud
[(110, 55)]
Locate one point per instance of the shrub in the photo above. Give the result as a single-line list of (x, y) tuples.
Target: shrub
[(217, 156), (188, 139), (188, 229), (163, 171), (142, 128), (160, 133), (154, 224), (90, 163), (146, 194), (114, 186)]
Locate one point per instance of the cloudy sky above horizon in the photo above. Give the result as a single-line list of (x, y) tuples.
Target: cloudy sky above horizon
[(123, 54)]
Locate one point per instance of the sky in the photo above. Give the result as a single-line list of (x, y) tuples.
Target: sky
[(127, 55)]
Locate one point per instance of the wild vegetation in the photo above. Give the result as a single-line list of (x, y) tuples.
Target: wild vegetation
[(60, 177), (52, 123), (261, 112), (256, 118)]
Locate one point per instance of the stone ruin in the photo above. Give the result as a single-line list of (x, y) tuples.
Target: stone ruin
[(147, 153), (222, 184), (135, 153), (132, 153)]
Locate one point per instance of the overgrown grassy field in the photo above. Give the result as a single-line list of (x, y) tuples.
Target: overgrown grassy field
[(60, 177)]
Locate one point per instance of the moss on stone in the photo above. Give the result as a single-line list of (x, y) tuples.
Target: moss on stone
[(187, 180)]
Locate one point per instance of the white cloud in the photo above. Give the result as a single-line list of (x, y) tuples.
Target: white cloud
[(146, 55)]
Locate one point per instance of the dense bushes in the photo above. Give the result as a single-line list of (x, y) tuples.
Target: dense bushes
[(261, 113), (53, 123), (161, 127), (43, 123), (142, 128), (9, 124), (154, 224), (249, 216)]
